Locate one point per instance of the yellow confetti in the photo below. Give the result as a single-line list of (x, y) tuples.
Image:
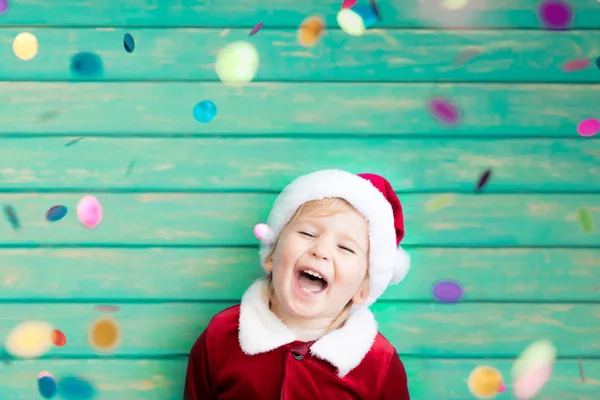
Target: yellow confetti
[(105, 334), (439, 202), (29, 340), (485, 382), (455, 4), (25, 46)]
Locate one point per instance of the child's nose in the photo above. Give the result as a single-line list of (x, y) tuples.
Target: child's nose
[(320, 251)]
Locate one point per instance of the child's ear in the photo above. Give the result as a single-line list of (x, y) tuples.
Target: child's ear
[(268, 265), (362, 294)]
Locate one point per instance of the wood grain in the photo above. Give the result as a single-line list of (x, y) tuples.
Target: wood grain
[(286, 13), (497, 275), (390, 55), (165, 108), (440, 165)]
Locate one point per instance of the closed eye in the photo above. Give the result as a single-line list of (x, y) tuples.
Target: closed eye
[(307, 234), (347, 249)]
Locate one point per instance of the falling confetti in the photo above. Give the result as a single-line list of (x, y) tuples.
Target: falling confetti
[(29, 339), (128, 43), (555, 14), (72, 142), (48, 115), (485, 382), (256, 28), (586, 222), (56, 213), (466, 56), (598, 62), (104, 308), (130, 167), (483, 180), (576, 65), (581, 374), (455, 4), (3, 6), (237, 63), (86, 64), (45, 373), (440, 202), (47, 387), (74, 388), (588, 127), (105, 334), (58, 338), (444, 111), (532, 369), (89, 212), (205, 111), (11, 216), (310, 31), (447, 291), (25, 46), (348, 3)]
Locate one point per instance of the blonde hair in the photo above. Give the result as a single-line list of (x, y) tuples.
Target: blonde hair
[(320, 208)]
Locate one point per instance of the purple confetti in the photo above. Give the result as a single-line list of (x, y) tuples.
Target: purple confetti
[(483, 180), (445, 112), (3, 6), (11, 215), (106, 308), (447, 291), (556, 14), (256, 28)]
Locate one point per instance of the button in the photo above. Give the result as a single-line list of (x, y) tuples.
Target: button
[(298, 356)]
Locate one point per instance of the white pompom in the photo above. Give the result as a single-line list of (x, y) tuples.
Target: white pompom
[(264, 233), (401, 266)]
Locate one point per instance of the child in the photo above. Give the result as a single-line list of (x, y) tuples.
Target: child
[(305, 332)]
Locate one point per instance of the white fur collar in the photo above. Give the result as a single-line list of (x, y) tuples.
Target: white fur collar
[(262, 331)]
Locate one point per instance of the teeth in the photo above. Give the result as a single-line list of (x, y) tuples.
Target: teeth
[(313, 273)]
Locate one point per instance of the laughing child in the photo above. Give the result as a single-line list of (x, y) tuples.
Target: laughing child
[(305, 331)]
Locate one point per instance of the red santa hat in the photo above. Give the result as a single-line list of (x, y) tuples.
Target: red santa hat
[(372, 196)]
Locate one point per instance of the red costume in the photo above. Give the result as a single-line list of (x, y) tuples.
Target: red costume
[(247, 353)]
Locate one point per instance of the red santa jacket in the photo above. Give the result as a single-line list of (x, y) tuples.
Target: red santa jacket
[(247, 353)]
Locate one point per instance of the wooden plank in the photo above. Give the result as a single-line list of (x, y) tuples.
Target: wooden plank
[(394, 55), (288, 13), (163, 379), (217, 219), (441, 330), (452, 165), (225, 273), (293, 108)]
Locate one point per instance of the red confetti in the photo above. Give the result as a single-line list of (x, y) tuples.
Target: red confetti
[(58, 338), (107, 308), (576, 65), (348, 3), (484, 179), (256, 28)]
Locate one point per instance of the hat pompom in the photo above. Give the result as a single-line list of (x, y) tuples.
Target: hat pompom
[(401, 266)]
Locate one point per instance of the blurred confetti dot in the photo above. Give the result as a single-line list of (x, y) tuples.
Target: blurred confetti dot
[(237, 63), (440, 202), (348, 3), (555, 14), (105, 334), (598, 62), (25, 46), (74, 388), (205, 111), (310, 31), (588, 127), (105, 308), (29, 339), (256, 28), (3, 6), (533, 369), (485, 382), (128, 43), (444, 111), (355, 21), (576, 65), (466, 56), (47, 387), (11, 216), (86, 64), (483, 180), (455, 4), (447, 291), (45, 373), (58, 338), (586, 222), (89, 212), (56, 213)]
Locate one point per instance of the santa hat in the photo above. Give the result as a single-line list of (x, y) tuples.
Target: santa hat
[(372, 196)]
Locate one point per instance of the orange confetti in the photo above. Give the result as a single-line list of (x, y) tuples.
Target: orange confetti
[(58, 338)]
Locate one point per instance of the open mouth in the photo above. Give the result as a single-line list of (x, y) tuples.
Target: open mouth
[(311, 282)]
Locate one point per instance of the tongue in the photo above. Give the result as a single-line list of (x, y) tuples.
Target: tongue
[(312, 285)]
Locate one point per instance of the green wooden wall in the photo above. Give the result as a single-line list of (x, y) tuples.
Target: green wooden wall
[(180, 198)]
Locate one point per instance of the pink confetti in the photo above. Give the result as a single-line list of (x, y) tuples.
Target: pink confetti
[(528, 386), (104, 308), (348, 3), (588, 127), (576, 65), (89, 212), (502, 387), (256, 28), (445, 112)]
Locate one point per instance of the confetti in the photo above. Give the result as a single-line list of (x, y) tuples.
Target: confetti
[(588, 127), (86, 64), (485, 382), (74, 388), (555, 14), (310, 31), (348, 3), (256, 28), (447, 291), (440, 202), (25, 46), (45, 373), (105, 334), (89, 212), (444, 110), (576, 65), (47, 387), (598, 62), (48, 115), (586, 222), (128, 43), (58, 338), (532, 369), (72, 142), (29, 339), (466, 56), (455, 4), (264, 233), (581, 374), (205, 111), (483, 180), (3, 6), (56, 213), (237, 63), (104, 308), (11, 215), (130, 167)]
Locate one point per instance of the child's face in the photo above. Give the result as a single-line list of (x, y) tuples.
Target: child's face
[(336, 247)]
